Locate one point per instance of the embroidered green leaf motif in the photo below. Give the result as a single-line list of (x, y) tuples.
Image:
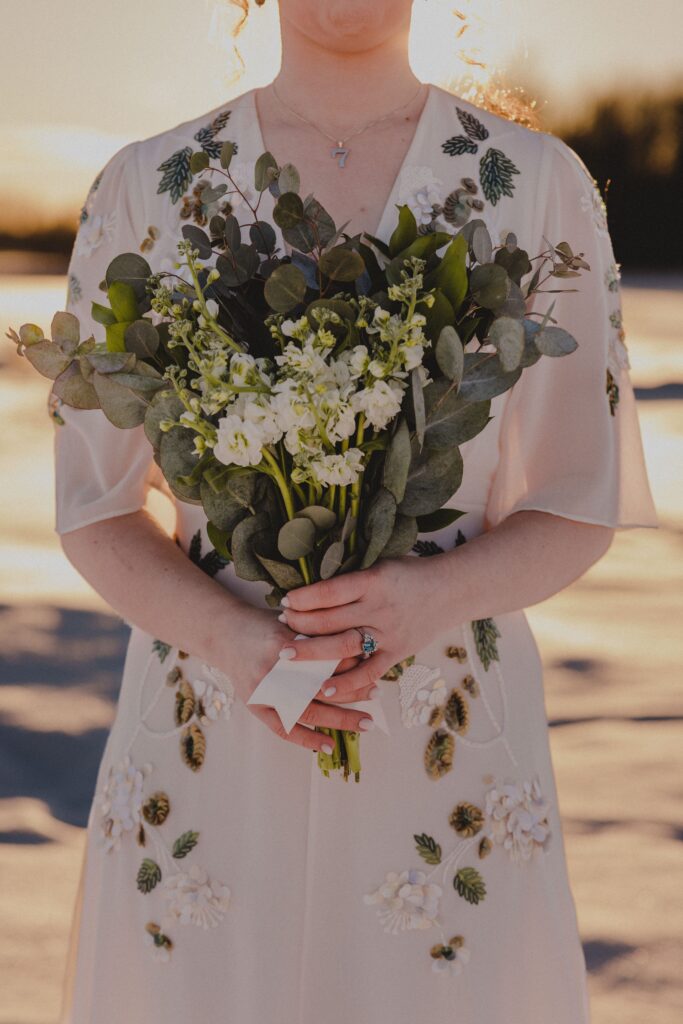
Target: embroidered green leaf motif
[(486, 633), (495, 174), (473, 127), (175, 173), (206, 136), (184, 843), (456, 712), (149, 875), (210, 563), (161, 650), (424, 548), (457, 145), (428, 848), (469, 884)]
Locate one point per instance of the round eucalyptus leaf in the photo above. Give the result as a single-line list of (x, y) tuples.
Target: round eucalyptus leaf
[(288, 210), (217, 226), (482, 246), (164, 405), (332, 560), (198, 239), (29, 334), (221, 507), (65, 331), (199, 161), (74, 390), (343, 309), (47, 357), (435, 475), (122, 407), (296, 538), (489, 284), (507, 335), (514, 305), (342, 263), (232, 233), (236, 268), (450, 355), (402, 538), (262, 235), (484, 377), (285, 288), (516, 262), (283, 575), (132, 269), (554, 341), (378, 525), (248, 532), (142, 338), (177, 458), (322, 518), (143, 378), (110, 362), (264, 171), (397, 462), (451, 420)]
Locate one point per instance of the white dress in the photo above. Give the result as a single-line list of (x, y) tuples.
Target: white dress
[(225, 879)]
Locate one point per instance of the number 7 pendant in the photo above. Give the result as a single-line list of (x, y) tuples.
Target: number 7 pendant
[(340, 152)]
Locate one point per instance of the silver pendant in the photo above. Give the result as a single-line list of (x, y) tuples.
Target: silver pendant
[(340, 153)]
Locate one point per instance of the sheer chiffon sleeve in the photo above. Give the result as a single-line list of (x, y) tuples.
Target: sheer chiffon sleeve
[(101, 470), (570, 440)]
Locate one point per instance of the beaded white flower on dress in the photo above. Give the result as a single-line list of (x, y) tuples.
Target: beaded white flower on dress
[(421, 689), (594, 204), (97, 229), (121, 801), (406, 901), (194, 898), (451, 958), (517, 816), (215, 694), (420, 190)]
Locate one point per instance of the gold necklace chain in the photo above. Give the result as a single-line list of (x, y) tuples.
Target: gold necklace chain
[(339, 150)]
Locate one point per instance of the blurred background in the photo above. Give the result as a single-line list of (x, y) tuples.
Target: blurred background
[(80, 80)]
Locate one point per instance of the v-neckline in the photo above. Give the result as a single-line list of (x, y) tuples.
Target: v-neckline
[(408, 156)]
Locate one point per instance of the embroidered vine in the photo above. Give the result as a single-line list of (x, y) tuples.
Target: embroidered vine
[(496, 170)]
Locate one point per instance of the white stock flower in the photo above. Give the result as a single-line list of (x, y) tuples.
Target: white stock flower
[(380, 402), (357, 360), (406, 901), (342, 469), (239, 441)]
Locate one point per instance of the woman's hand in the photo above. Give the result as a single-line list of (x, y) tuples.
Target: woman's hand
[(251, 651), (396, 601)]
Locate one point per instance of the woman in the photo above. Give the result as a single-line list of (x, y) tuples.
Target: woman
[(225, 879)]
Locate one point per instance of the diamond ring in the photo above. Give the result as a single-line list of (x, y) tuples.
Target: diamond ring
[(369, 645)]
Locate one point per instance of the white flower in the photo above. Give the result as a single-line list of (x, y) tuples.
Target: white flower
[(518, 818), (406, 901), (193, 898), (239, 442), (121, 802), (216, 693), (594, 204), (424, 702), (357, 360), (337, 469), (94, 231), (420, 190), (453, 962), (380, 402)]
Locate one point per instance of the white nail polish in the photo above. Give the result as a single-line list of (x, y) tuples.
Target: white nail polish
[(326, 748), (365, 724), (282, 617), (284, 601), (287, 653), (330, 691)]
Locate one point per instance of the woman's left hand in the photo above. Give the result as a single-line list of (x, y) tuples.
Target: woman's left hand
[(397, 601)]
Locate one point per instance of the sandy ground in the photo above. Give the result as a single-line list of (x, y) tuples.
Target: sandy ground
[(612, 657)]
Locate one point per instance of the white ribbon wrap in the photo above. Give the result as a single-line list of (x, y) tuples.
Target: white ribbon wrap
[(290, 686)]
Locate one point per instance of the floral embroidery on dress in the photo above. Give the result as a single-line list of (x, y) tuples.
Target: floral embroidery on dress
[(517, 816), (150, 238), (421, 691), (98, 229), (121, 802), (405, 901), (419, 189), (194, 898), (593, 204), (449, 958), (75, 292), (175, 169), (496, 170), (617, 352), (85, 209)]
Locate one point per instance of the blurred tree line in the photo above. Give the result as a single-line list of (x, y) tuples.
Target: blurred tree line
[(634, 149)]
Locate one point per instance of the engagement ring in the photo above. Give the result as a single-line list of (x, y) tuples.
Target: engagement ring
[(369, 645)]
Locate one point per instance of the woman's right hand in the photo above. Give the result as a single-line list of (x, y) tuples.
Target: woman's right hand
[(251, 650)]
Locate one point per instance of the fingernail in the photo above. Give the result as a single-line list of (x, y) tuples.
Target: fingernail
[(284, 601), (329, 691), (326, 748), (282, 617), (365, 724), (287, 652), (373, 692)]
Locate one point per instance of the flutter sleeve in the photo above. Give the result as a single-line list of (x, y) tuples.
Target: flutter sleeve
[(101, 470), (570, 441)]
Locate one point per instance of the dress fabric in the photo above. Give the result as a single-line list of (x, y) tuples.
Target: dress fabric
[(224, 878)]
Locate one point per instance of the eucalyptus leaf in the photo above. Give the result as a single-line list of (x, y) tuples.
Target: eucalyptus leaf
[(236, 268), (47, 357), (122, 407), (489, 284), (142, 338), (332, 560), (288, 211), (322, 518), (507, 335), (484, 377), (378, 525), (405, 231), (264, 171), (221, 507), (402, 538), (177, 458), (164, 405), (262, 236), (285, 288), (198, 239), (232, 233), (74, 390), (416, 391), (397, 461), (296, 538), (284, 575), (244, 536), (482, 246), (435, 475), (451, 419), (450, 355), (199, 161), (227, 153), (516, 263), (65, 331), (342, 263), (555, 341), (110, 362), (129, 268)]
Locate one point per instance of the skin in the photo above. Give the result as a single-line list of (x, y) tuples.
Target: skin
[(333, 48)]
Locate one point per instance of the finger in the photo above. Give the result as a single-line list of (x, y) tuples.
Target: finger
[(345, 664), (348, 644), (323, 621), (327, 593), (299, 734), (333, 717), (360, 683)]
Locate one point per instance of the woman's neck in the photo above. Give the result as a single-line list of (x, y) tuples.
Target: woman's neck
[(341, 89)]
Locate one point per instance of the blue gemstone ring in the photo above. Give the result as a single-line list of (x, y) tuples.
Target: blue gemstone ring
[(369, 645)]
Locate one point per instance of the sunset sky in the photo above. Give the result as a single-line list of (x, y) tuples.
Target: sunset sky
[(79, 79)]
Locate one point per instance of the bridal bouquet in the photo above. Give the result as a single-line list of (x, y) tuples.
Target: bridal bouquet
[(313, 402)]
